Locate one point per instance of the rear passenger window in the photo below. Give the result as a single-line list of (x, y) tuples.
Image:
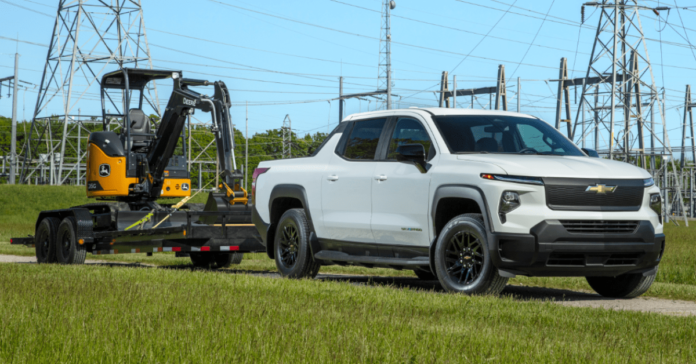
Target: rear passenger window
[(363, 139)]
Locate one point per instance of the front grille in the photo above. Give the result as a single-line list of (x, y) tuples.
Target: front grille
[(572, 194), (580, 260), (600, 226)]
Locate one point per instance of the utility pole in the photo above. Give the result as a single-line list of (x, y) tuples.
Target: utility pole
[(340, 99), (246, 150), (13, 140), (287, 137), (384, 73), (454, 94), (519, 93)]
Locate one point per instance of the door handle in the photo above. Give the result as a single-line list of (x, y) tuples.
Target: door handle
[(381, 178), (332, 178)]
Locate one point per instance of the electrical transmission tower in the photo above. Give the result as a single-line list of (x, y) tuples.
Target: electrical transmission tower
[(287, 137), (384, 80), (89, 38), (619, 95)]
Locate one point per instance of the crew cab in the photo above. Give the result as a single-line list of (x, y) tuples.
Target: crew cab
[(468, 197)]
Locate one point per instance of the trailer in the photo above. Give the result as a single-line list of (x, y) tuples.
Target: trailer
[(131, 165), (73, 232)]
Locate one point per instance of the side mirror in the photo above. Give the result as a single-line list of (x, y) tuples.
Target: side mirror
[(590, 152), (412, 153)]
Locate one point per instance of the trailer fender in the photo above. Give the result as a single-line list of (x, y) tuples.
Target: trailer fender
[(82, 216)]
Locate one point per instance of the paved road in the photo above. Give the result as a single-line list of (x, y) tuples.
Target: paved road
[(560, 296)]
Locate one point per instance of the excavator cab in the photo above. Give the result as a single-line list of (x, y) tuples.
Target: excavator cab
[(116, 155)]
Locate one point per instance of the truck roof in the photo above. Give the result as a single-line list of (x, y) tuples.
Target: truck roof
[(434, 111)]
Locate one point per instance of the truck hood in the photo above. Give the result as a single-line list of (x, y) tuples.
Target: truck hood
[(558, 166)]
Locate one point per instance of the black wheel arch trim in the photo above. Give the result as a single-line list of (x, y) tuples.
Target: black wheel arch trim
[(463, 191), (459, 191), (287, 191)]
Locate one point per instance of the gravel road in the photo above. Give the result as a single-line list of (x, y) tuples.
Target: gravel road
[(559, 296)]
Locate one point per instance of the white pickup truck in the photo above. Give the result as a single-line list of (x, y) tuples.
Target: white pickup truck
[(467, 197)]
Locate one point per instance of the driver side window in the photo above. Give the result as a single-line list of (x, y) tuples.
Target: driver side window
[(410, 131), (534, 138)]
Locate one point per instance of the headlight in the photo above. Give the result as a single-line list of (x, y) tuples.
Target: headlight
[(648, 182), (518, 179), (656, 204), (509, 201)]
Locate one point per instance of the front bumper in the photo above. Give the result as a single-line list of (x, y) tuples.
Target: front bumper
[(550, 250)]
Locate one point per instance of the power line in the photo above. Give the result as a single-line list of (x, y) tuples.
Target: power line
[(534, 39), (452, 28), (28, 9)]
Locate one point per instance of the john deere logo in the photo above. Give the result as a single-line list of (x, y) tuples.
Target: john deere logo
[(601, 189), (104, 170)]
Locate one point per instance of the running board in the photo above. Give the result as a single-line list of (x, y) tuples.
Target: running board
[(336, 256)]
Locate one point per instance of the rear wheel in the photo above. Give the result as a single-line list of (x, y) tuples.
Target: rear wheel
[(293, 257), (68, 250), (45, 240), (623, 286), (425, 275), (236, 258), (215, 260), (462, 259), (202, 260)]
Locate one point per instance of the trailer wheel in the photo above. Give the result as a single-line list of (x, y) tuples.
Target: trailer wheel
[(68, 251), (224, 260), (293, 257), (45, 240), (202, 260), (236, 258)]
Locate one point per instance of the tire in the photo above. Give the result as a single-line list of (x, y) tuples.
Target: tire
[(224, 260), (236, 258), (45, 240), (68, 251), (293, 257), (215, 260), (623, 286), (202, 260), (462, 258), (425, 275)]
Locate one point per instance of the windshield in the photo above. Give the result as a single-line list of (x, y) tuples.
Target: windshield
[(502, 134)]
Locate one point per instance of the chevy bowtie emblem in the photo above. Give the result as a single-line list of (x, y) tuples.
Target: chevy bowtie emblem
[(601, 189)]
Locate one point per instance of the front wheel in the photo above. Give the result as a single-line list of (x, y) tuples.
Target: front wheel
[(462, 259), (293, 257), (623, 286)]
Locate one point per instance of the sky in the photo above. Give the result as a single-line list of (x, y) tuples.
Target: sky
[(286, 57)]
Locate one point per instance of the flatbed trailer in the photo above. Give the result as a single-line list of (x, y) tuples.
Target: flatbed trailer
[(100, 229)]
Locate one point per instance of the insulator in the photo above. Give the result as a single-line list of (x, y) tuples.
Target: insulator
[(582, 14)]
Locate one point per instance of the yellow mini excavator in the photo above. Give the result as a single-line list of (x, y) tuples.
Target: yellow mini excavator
[(137, 165)]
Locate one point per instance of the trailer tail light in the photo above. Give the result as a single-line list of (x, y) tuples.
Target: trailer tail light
[(257, 173)]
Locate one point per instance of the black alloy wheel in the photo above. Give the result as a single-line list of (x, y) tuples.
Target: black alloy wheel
[(289, 243), (291, 246), (464, 257)]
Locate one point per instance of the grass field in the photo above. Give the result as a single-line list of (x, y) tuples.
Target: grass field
[(19, 206), (97, 314)]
